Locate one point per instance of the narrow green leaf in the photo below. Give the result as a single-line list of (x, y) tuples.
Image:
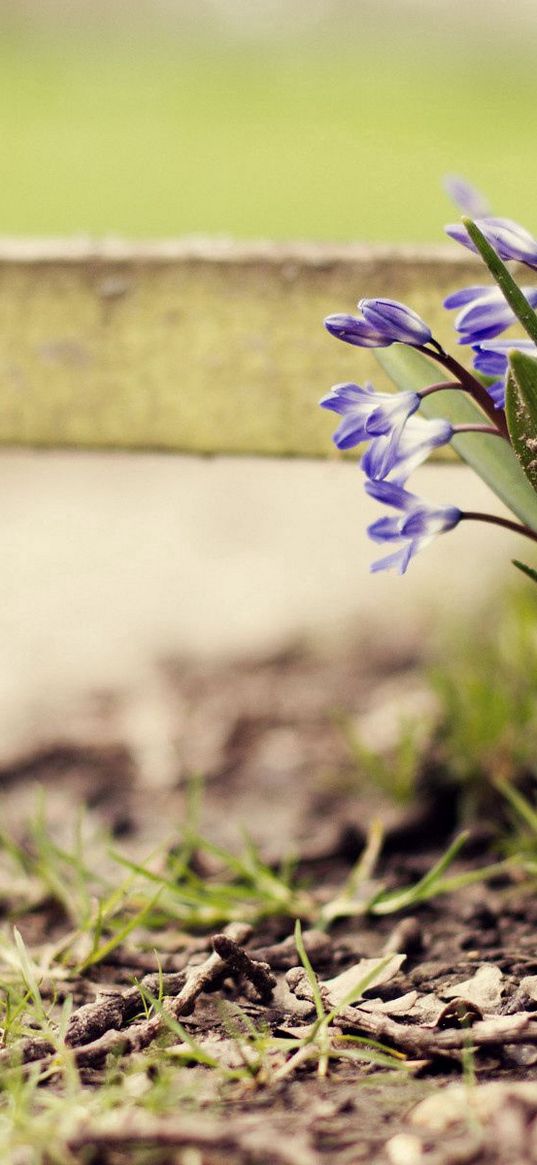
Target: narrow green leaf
[(389, 901), (521, 411), (531, 573), (520, 803), (28, 970), (97, 955), (514, 296), (310, 973), (491, 457)]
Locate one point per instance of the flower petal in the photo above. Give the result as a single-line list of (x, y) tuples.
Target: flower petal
[(367, 413), (465, 295), (343, 397), (355, 331), (397, 320), (509, 239), (465, 196), (486, 313), (391, 495), (398, 561), (418, 524), (397, 458)]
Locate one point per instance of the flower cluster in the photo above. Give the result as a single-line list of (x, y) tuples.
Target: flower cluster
[(399, 440), (485, 312), (383, 322)]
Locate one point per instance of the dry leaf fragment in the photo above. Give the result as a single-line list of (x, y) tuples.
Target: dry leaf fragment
[(484, 989), (401, 1006), (529, 986), (339, 988), (427, 1008)]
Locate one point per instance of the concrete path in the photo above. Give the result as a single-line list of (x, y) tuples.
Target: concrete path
[(112, 563)]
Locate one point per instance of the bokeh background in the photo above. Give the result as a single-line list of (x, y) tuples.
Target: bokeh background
[(324, 119), (283, 119)]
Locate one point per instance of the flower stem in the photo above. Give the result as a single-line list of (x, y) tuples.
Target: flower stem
[(492, 429), (440, 387), (471, 385), (516, 527)]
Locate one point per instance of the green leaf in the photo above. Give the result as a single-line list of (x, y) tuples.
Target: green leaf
[(531, 573), (521, 411), (491, 457), (514, 296), (389, 901)]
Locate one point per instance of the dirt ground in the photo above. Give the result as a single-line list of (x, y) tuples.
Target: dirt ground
[(456, 992)]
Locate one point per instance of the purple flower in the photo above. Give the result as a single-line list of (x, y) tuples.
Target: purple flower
[(367, 413), (396, 459), (396, 320), (485, 312), (491, 355), (491, 359), (417, 524), (466, 197), (510, 241), (384, 322), (355, 331)]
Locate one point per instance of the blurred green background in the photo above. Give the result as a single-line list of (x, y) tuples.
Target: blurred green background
[(258, 118)]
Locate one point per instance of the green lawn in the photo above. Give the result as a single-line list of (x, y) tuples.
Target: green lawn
[(152, 139)]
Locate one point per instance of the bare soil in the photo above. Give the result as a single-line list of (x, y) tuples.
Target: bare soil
[(461, 1006)]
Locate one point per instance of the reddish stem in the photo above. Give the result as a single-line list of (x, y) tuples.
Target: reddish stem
[(469, 384), (516, 527)]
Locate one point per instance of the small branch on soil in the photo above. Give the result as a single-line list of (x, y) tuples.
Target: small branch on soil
[(92, 1020), (94, 1030), (430, 1043), (240, 963), (223, 1136), (162, 1134)]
